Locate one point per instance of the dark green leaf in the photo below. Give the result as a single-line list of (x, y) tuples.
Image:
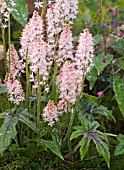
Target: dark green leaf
[(104, 111), (102, 149), (7, 113), (84, 143), (19, 11), (92, 77), (101, 65), (120, 147), (53, 147), (3, 89), (8, 131), (89, 131), (118, 87), (75, 134), (28, 122)]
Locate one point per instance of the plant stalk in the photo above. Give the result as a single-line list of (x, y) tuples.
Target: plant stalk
[(4, 45)]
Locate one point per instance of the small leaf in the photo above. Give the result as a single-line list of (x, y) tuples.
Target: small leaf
[(104, 111), (3, 89), (120, 147), (75, 134), (102, 149), (28, 122), (8, 131), (19, 11), (84, 143), (7, 113), (101, 65), (53, 147), (118, 87), (92, 77)]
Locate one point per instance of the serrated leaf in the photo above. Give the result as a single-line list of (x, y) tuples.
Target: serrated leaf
[(120, 147), (28, 122), (104, 111), (75, 134), (19, 11), (92, 77), (102, 149), (7, 113), (89, 131), (118, 87), (90, 97), (3, 89), (8, 132), (84, 143), (100, 66), (53, 147)]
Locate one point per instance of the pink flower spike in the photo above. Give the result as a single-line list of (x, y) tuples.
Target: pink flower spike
[(100, 94)]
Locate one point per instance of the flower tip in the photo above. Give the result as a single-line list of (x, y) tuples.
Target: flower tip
[(100, 94), (104, 60)]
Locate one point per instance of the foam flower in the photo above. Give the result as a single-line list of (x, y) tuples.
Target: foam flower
[(70, 82), (16, 65), (50, 113), (84, 55), (14, 89), (65, 45), (33, 29)]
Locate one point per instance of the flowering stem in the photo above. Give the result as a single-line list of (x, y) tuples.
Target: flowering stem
[(27, 79), (43, 9), (4, 44), (53, 96), (38, 99), (9, 42), (67, 137)]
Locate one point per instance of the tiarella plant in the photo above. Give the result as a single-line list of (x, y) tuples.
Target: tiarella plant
[(42, 93)]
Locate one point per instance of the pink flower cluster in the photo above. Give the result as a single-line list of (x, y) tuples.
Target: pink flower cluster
[(84, 54), (33, 29), (16, 65), (70, 82), (5, 11), (65, 46), (56, 17), (50, 113), (32, 43), (14, 89)]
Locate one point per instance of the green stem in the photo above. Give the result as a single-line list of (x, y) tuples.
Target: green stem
[(67, 137), (44, 9), (110, 134), (53, 84), (4, 45), (9, 42), (38, 100), (27, 80)]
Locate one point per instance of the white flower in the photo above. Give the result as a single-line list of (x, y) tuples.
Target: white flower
[(38, 4)]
